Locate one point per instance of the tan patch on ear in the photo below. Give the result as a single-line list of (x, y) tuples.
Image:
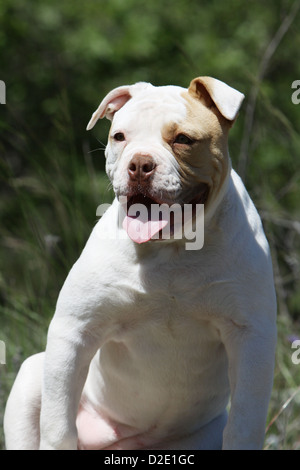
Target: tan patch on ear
[(207, 160), (199, 92)]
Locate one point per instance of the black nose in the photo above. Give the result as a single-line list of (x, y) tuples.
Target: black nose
[(141, 167)]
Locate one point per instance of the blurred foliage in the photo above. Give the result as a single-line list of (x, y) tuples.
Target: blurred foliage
[(59, 59)]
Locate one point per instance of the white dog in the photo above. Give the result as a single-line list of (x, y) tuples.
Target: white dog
[(150, 338)]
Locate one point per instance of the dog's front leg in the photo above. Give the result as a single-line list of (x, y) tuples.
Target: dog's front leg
[(69, 351), (251, 355)]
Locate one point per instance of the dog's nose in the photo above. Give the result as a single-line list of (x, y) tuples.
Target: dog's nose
[(141, 167)]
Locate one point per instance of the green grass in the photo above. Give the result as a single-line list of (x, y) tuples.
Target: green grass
[(283, 419), (47, 215)]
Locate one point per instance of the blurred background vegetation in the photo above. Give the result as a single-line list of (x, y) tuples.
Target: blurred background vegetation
[(58, 60)]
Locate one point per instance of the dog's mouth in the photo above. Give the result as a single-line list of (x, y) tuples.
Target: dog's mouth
[(149, 218)]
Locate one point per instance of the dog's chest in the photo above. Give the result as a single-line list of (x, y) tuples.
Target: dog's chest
[(161, 286), (160, 297), (160, 343)]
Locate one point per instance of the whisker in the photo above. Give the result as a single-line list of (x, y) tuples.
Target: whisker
[(95, 150), (104, 146), (99, 148)]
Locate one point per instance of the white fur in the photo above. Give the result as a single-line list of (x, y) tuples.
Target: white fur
[(151, 338)]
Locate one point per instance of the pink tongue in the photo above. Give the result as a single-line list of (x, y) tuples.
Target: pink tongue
[(140, 229)]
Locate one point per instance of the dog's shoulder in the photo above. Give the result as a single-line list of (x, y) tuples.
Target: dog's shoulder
[(239, 219)]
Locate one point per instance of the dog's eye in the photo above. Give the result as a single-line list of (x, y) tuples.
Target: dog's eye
[(183, 139), (119, 136)]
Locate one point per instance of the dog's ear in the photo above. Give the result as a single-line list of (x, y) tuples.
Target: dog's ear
[(110, 104), (114, 101), (214, 92)]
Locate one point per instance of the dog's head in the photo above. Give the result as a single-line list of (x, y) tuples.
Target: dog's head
[(169, 144)]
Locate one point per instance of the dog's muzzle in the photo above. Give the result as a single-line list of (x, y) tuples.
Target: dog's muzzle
[(147, 210)]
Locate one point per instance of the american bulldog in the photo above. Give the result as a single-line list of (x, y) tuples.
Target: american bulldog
[(151, 338)]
